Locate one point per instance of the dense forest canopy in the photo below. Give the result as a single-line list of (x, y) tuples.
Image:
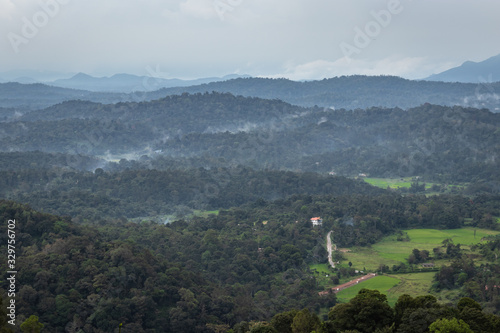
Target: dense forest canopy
[(222, 130)]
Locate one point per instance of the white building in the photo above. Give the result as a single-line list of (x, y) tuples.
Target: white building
[(317, 221)]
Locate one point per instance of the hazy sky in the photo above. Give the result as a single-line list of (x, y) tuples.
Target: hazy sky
[(297, 39)]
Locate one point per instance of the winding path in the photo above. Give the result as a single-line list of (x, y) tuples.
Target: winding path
[(330, 249)]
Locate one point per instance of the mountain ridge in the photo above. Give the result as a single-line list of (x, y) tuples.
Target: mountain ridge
[(128, 83), (348, 92), (486, 71)]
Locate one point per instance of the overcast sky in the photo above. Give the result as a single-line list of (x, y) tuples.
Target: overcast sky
[(297, 39)]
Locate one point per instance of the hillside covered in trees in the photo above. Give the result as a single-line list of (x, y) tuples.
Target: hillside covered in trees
[(222, 130), (244, 264)]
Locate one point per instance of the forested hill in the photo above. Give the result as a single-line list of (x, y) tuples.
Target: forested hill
[(186, 112), (220, 130), (349, 92), (352, 92)]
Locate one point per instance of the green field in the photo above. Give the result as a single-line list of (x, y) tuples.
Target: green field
[(391, 252), (394, 183), (415, 284), (390, 182), (405, 182), (380, 283)]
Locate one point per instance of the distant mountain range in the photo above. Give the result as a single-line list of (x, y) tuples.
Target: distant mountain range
[(348, 92), (118, 83), (474, 72), (130, 83), (31, 76)]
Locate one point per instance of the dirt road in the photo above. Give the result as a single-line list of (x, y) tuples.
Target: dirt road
[(351, 283), (330, 249)]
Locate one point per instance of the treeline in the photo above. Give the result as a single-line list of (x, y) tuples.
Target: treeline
[(369, 312), (142, 193)]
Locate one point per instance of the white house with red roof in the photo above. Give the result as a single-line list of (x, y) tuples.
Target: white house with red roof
[(316, 221)]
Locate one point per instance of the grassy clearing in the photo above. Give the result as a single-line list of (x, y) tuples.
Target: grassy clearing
[(364, 258), (389, 182), (380, 283), (323, 274), (321, 268), (415, 284), (391, 252), (395, 183)]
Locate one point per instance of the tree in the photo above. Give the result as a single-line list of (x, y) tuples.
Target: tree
[(263, 328), (404, 303), (31, 325), (218, 328), (242, 327), (282, 322), (366, 312), (305, 322), (452, 325), (418, 320), (468, 302), (415, 314), (416, 253)]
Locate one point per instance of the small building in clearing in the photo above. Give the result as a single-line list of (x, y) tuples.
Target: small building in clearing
[(316, 221)]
